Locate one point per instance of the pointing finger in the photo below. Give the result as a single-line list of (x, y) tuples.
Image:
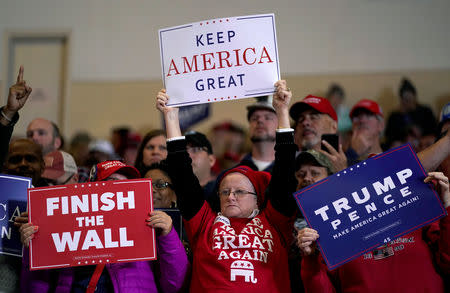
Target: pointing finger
[(20, 76)]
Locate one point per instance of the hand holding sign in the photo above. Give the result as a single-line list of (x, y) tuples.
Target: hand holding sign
[(306, 240), (27, 233), (441, 184), (281, 100), (160, 220), (23, 219)]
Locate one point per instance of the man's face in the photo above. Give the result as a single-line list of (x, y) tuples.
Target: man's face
[(25, 159), (41, 132), (202, 161), (367, 122), (309, 174), (263, 125), (155, 150), (310, 127)]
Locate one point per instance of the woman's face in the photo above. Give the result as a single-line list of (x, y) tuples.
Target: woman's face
[(155, 150), (237, 198), (163, 194)]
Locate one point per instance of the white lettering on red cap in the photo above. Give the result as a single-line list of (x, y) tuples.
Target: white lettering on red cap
[(312, 101), (108, 165)]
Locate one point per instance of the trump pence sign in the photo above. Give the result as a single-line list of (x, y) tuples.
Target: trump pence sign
[(220, 59), (369, 204), (91, 223)]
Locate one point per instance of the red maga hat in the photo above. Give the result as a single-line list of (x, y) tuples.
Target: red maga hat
[(319, 104), (107, 168), (368, 105)]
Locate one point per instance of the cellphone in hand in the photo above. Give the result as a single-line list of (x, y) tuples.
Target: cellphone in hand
[(332, 139)]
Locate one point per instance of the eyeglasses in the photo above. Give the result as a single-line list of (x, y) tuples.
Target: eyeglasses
[(238, 192), (195, 150), (160, 184)]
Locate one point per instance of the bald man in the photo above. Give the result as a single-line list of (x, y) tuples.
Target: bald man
[(45, 133)]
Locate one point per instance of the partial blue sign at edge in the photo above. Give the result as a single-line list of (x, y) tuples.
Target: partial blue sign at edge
[(13, 201), (191, 115), (398, 197)]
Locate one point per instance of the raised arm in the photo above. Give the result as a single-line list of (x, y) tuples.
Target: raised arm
[(283, 182), (18, 95), (187, 188), (432, 156), (170, 115)]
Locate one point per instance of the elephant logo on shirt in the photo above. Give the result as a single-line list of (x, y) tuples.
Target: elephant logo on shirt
[(242, 268)]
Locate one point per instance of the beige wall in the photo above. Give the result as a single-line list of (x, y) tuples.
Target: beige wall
[(118, 40), (98, 106)]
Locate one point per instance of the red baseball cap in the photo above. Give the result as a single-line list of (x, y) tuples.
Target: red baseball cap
[(368, 105), (105, 169), (319, 104)]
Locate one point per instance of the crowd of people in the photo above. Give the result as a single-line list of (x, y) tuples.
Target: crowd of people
[(244, 230)]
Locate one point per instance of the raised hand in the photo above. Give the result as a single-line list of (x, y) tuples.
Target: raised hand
[(18, 95), (162, 98), (280, 102), (306, 240), (161, 221), (441, 184)]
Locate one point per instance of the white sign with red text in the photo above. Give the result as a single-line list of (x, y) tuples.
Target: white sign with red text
[(91, 223), (220, 59)]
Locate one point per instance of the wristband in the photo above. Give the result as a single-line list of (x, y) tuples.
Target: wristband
[(4, 116)]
